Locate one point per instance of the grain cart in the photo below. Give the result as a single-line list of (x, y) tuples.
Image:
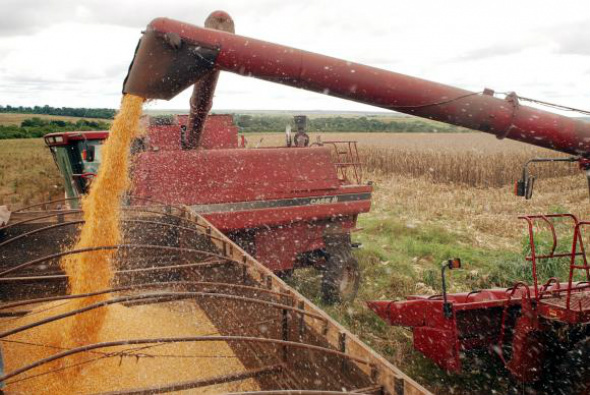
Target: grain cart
[(180, 283)]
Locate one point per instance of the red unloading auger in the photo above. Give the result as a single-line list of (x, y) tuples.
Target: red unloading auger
[(173, 55)]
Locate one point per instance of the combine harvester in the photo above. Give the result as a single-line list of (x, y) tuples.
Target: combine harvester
[(171, 253)]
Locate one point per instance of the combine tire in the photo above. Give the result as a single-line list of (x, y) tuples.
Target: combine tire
[(342, 276), (573, 375)]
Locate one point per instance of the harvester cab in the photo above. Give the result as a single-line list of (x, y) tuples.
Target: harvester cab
[(77, 155)]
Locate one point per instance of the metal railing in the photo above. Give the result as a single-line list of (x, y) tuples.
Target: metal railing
[(347, 161)]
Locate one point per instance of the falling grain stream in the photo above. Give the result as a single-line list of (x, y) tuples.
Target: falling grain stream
[(109, 369)]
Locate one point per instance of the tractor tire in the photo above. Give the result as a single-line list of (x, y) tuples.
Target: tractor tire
[(573, 373), (342, 275)]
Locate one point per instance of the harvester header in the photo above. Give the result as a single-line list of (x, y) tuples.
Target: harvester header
[(173, 55)]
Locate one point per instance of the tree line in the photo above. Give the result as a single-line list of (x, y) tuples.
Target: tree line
[(104, 113), (266, 123), (36, 127)]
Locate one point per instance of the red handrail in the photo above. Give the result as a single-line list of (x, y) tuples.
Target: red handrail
[(530, 219), (574, 254)]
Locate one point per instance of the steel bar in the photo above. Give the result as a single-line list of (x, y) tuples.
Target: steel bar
[(173, 267), (172, 296), (140, 286), (140, 210), (39, 230), (185, 385), (6, 314), (127, 209), (24, 221), (113, 247), (369, 390), (49, 202), (190, 339), (45, 204), (140, 270), (32, 278), (174, 226)]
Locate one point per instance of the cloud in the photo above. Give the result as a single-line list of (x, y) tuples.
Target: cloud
[(573, 38), (501, 49), (25, 17), (64, 52)]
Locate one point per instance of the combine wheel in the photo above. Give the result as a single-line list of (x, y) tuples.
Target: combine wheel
[(342, 276), (573, 375)]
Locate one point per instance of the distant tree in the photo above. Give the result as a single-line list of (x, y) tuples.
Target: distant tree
[(104, 113)]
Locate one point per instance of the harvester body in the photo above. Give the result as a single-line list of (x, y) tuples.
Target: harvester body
[(286, 206)]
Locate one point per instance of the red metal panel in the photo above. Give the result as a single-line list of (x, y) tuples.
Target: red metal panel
[(164, 137), (526, 363), (273, 217), (219, 131), (409, 313), (217, 176), (438, 345)]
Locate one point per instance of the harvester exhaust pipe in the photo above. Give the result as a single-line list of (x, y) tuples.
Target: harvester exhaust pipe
[(174, 55), (202, 97)]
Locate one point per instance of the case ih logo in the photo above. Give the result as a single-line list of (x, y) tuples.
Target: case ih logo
[(324, 200)]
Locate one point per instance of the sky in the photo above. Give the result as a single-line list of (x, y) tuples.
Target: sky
[(76, 53)]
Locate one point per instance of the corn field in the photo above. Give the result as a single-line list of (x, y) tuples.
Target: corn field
[(471, 159), (471, 168)]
